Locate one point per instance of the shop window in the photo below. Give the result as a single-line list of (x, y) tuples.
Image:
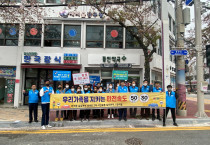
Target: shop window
[(131, 42), (9, 34), (52, 35), (30, 73), (93, 71), (133, 72), (106, 73), (114, 37), (94, 36), (33, 35), (72, 36)]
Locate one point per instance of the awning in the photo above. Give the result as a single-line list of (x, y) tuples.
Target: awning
[(51, 66)]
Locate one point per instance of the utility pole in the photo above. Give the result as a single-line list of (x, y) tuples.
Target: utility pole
[(199, 59), (180, 62)]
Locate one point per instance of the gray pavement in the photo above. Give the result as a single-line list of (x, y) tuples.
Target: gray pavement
[(110, 138)]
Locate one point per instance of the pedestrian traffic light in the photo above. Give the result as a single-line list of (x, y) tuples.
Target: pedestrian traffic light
[(208, 55)]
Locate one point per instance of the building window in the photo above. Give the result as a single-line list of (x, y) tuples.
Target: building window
[(160, 47), (33, 35), (37, 1), (17, 1), (72, 36), (52, 35), (131, 42), (9, 34), (174, 28), (169, 19), (114, 37), (54, 1), (94, 36)]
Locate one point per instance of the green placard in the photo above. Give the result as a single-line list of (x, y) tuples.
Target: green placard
[(119, 75)]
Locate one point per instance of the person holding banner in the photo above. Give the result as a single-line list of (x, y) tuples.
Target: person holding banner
[(100, 112), (73, 113), (59, 91), (156, 89), (133, 89), (95, 90), (122, 111), (66, 91), (170, 105), (84, 113), (45, 93), (110, 90), (145, 112)]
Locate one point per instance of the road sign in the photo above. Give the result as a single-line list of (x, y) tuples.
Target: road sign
[(178, 52), (189, 2)]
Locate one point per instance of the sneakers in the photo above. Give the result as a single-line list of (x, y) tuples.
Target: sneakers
[(30, 122), (48, 126), (112, 116), (175, 124), (108, 116), (164, 124), (125, 119), (36, 121), (56, 119), (43, 127)]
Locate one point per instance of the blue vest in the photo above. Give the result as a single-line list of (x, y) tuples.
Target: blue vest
[(59, 92), (170, 100), (122, 90), (46, 97), (33, 96), (88, 92), (134, 90), (72, 93), (110, 91), (68, 91), (157, 90), (145, 89)]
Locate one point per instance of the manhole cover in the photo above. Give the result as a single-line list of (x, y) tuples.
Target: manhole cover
[(133, 141)]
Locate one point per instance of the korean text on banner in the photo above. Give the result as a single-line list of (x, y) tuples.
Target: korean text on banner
[(107, 100)]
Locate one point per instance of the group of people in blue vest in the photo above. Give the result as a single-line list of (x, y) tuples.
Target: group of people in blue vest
[(47, 90)]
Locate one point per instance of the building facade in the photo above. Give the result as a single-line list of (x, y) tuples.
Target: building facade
[(82, 42)]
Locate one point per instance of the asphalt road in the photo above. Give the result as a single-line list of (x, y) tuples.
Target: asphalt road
[(120, 136)]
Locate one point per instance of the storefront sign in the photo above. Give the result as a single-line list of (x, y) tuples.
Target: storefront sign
[(61, 75), (107, 100), (81, 78), (50, 58), (96, 79), (10, 91), (204, 86), (7, 71), (102, 58), (119, 75)]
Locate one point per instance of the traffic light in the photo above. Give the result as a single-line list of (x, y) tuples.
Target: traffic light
[(208, 55)]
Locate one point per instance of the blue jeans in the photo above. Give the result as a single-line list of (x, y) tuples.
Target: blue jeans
[(45, 114)]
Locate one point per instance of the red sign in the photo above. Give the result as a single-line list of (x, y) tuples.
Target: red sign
[(33, 31), (114, 33), (17, 81)]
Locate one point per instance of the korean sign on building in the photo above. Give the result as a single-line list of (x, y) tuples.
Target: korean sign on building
[(50, 58), (81, 78), (119, 75), (107, 100), (7, 71)]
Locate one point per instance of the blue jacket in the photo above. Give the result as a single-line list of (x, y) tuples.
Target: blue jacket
[(110, 91), (146, 89), (33, 96), (122, 90), (134, 90), (46, 97), (171, 99), (67, 91), (59, 92), (157, 90), (88, 92)]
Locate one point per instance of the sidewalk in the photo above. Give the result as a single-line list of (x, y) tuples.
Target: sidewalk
[(11, 118)]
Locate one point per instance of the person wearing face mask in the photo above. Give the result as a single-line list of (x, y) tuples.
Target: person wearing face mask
[(156, 89), (110, 90), (85, 114), (100, 112), (95, 115), (66, 90), (145, 112), (133, 89), (33, 99), (122, 111), (45, 93), (73, 113), (59, 91), (170, 105)]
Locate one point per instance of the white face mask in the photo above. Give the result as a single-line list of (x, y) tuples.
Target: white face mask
[(100, 90), (145, 84), (169, 89), (118, 85), (133, 85), (72, 90), (85, 89), (67, 87), (78, 90), (110, 87)]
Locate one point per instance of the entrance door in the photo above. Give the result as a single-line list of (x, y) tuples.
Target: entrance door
[(2, 90)]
